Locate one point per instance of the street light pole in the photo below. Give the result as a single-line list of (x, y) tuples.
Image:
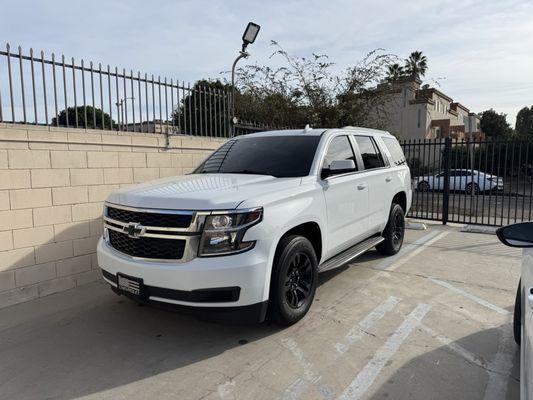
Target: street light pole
[(120, 109), (248, 37)]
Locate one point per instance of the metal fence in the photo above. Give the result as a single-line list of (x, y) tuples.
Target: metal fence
[(478, 182), (60, 92)]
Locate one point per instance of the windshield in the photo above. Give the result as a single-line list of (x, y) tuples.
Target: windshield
[(279, 156)]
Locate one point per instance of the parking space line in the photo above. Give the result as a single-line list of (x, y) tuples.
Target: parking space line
[(500, 367), (362, 382), (421, 248), (385, 264), (358, 330), (470, 296), (310, 375)]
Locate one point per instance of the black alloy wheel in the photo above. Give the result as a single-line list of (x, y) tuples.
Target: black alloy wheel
[(298, 280)]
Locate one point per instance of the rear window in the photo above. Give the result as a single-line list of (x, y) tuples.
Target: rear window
[(279, 156), (398, 158)]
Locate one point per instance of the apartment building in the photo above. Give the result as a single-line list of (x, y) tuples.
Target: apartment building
[(423, 112)]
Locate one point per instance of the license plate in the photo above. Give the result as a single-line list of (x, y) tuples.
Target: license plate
[(129, 284)]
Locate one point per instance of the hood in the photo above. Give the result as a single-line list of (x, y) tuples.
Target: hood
[(200, 191)]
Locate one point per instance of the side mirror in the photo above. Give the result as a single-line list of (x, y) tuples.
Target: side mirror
[(338, 167), (516, 235)]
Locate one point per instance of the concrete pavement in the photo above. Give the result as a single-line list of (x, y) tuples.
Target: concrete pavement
[(431, 322)]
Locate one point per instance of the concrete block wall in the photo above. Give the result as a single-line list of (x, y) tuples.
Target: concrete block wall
[(52, 185)]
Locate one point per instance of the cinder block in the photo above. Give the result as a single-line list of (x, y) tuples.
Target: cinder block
[(100, 192), (33, 236), (85, 212), (85, 246), (50, 177), (70, 195), (52, 215), (15, 179), (165, 172), (145, 174), (15, 219), (159, 160), (137, 160), (11, 138), (69, 159), (182, 160), (30, 198), (18, 295), (197, 159), (102, 159), (121, 143), (87, 277), (72, 230), (118, 175), (3, 159), (74, 265), (84, 141), (94, 261), (55, 286), (97, 227), (27, 159), (47, 140), (6, 240), (86, 176), (4, 200), (16, 258), (191, 143), (35, 274), (144, 144), (7, 280), (53, 251)]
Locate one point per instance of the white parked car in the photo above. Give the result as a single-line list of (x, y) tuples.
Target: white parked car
[(249, 230), (462, 180), (521, 235)]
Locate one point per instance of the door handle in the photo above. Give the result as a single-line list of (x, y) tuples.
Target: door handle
[(361, 186), (388, 179)]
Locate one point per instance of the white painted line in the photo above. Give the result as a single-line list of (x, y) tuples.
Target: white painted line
[(476, 299), (297, 388), (416, 226), (500, 367), (406, 249), (452, 345), (370, 372), (360, 329), (420, 249)]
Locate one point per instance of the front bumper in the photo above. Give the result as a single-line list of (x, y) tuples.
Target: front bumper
[(241, 277)]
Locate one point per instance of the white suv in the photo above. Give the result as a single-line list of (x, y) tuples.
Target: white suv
[(249, 230)]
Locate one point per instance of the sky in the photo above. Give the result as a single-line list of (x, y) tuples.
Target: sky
[(480, 52)]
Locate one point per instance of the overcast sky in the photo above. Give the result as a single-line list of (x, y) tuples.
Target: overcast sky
[(483, 49)]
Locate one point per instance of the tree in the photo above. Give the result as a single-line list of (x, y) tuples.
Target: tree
[(394, 72), (309, 90), (94, 115), (495, 125), (524, 121), (416, 64)]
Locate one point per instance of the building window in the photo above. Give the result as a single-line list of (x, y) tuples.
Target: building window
[(419, 117), (437, 132)]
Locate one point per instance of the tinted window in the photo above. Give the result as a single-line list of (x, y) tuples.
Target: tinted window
[(280, 156), (398, 158), (372, 157), (339, 149)]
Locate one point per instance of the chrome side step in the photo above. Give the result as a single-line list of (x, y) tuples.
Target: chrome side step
[(349, 254)]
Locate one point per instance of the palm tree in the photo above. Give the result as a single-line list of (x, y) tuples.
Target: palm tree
[(394, 72), (416, 65)]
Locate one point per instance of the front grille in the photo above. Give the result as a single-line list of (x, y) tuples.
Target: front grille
[(150, 219), (147, 247)]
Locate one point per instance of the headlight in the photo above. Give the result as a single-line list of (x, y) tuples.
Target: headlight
[(223, 232)]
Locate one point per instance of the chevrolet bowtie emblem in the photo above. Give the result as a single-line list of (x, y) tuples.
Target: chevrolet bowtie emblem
[(134, 230)]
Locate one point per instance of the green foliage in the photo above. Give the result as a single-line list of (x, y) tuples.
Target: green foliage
[(495, 125), (95, 116), (416, 65), (524, 121)]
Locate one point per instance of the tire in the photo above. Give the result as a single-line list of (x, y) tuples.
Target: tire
[(517, 316), (423, 186), (394, 232), (472, 188), (294, 280)]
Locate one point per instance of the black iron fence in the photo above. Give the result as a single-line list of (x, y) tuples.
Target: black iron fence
[(477, 182), (54, 91)]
